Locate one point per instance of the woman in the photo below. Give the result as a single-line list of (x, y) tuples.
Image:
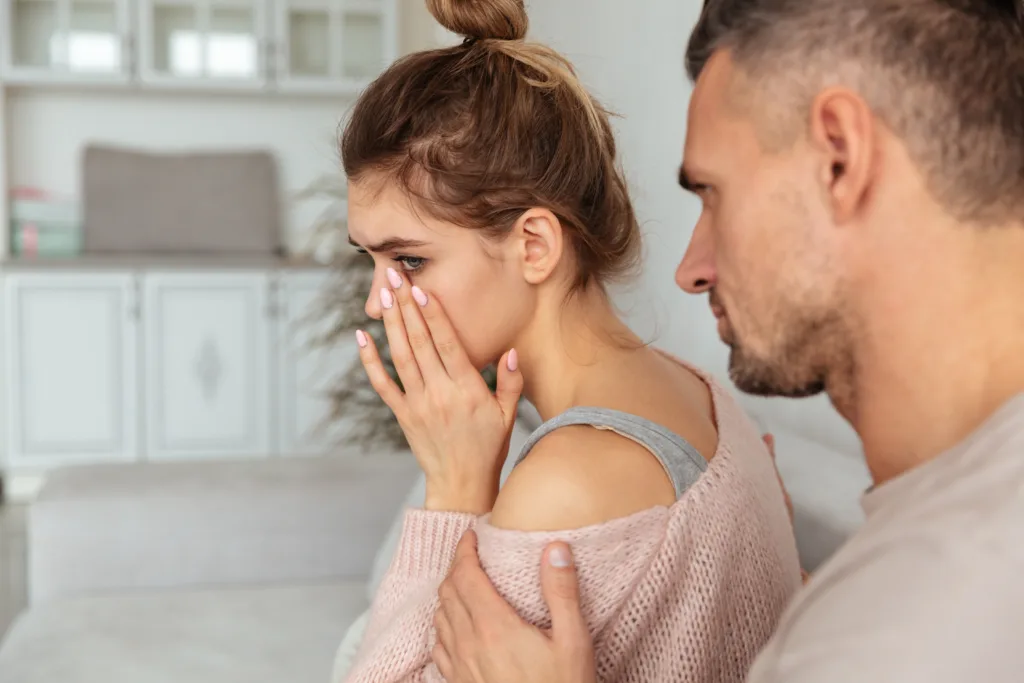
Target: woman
[(484, 184)]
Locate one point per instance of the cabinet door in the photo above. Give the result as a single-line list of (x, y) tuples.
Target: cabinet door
[(333, 45), (205, 43), (67, 41), (307, 369), (207, 364), (71, 349)]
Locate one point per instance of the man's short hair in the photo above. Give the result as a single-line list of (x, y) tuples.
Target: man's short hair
[(947, 76)]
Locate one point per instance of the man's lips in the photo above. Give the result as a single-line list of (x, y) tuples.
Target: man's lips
[(717, 311)]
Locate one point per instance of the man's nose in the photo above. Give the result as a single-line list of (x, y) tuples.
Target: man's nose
[(696, 273)]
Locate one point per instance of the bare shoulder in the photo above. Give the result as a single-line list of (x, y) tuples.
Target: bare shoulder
[(579, 476)]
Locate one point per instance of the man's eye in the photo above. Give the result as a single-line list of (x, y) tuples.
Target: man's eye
[(411, 263)]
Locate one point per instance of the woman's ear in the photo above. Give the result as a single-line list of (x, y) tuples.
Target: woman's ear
[(539, 241)]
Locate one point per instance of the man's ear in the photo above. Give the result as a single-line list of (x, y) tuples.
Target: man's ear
[(843, 130), (539, 242)]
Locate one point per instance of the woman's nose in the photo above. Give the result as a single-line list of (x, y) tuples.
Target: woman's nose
[(372, 306)]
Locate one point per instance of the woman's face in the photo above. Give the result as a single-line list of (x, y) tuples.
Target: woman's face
[(479, 281)]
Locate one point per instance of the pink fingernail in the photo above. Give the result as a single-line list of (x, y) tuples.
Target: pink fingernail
[(419, 295), (512, 361), (560, 557), (394, 278), (361, 339), (387, 299)]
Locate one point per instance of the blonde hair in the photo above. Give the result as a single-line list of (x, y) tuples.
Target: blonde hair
[(480, 132)]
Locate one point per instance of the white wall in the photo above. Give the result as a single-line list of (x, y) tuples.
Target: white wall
[(46, 128), (631, 55)]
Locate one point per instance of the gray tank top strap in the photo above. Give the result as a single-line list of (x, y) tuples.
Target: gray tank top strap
[(681, 461)]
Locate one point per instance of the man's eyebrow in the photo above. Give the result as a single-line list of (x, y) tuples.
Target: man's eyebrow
[(390, 244)]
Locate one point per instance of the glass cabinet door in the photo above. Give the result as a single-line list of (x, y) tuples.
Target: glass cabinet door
[(309, 41), (211, 41), (363, 51), (35, 38), (335, 45), (68, 39)]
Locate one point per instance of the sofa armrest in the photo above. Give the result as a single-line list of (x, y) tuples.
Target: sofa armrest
[(182, 524)]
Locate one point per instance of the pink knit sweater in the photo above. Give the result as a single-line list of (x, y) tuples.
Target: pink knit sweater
[(687, 593)]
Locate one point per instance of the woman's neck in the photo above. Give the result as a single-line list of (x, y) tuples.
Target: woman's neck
[(563, 345)]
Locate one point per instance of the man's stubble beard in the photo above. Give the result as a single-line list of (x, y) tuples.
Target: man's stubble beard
[(813, 355)]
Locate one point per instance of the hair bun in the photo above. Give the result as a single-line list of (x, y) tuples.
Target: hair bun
[(482, 19)]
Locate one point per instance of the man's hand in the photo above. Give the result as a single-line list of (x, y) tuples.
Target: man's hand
[(481, 639)]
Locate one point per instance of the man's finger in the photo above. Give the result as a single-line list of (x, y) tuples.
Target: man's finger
[(562, 594), (443, 662), (444, 629), (475, 591), (452, 620), (466, 549)]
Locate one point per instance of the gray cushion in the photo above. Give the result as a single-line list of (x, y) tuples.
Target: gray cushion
[(251, 635), (142, 202)]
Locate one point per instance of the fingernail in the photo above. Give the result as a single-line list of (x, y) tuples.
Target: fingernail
[(361, 339), (560, 558), (512, 361), (387, 299), (419, 295), (394, 278)]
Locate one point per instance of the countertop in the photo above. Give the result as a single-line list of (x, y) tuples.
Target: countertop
[(160, 262)]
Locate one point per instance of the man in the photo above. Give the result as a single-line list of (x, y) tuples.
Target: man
[(861, 165)]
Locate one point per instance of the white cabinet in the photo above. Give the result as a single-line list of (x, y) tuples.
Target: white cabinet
[(158, 365), (332, 45), (218, 43), (208, 365), (72, 41), (70, 363), (307, 368)]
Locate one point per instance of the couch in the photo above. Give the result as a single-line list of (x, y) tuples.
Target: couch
[(200, 572), (259, 572)]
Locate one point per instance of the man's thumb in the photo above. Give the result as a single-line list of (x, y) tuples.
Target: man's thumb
[(562, 593), (510, 384)]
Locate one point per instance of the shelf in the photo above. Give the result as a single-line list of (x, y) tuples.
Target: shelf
[(287, 46)]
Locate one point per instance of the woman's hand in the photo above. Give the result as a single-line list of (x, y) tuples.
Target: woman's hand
[(457, 429)]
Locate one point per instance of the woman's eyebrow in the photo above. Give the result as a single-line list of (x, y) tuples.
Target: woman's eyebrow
[(390, 244)]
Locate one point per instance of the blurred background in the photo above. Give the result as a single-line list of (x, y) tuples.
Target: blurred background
[(197, 483)]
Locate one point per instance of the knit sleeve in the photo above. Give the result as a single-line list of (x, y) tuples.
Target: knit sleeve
[(398, 638), (611, 560)]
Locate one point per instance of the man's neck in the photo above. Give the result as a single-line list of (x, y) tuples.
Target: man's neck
[(942, 350)]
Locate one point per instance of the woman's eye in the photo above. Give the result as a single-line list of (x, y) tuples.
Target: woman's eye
[(411, 263)]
